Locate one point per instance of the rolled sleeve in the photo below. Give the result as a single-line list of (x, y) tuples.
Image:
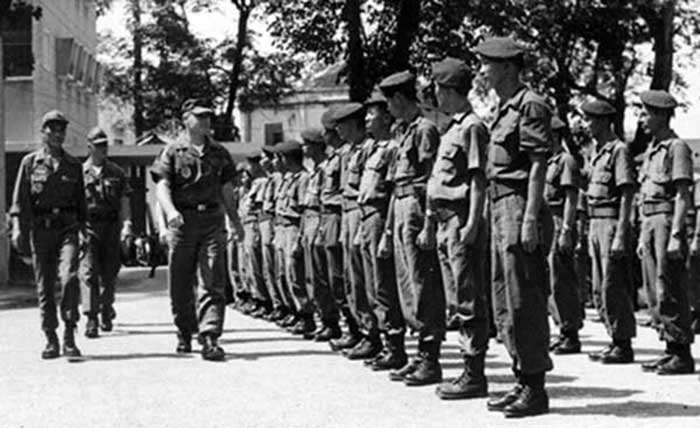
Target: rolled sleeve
[(570, 176), (535, 128), (162, 168), (682, 162), (428, 139), (477, 140), (624, 166)]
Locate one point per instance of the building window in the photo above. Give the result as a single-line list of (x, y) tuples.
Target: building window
[(273, 133), (17, 44)]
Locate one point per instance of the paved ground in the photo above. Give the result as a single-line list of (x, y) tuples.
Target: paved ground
[(132, 378)]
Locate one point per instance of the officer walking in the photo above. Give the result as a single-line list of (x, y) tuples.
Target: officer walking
[(665, 178), (417, 268), (193, 178), (520, 142), (48, 212), (561, 194), (315, 262), (108, 219), (380, 274), (456, 195), (609, 194)]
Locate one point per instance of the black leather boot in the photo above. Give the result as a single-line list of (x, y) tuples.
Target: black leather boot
[(497, 404), (92, 327), (69, 347), (429, 370), (681, 361), (532, 400), (470, 384), (211, 351), (569, 343), (184, 343), (394, 354), (107, 315), (621, 353), (51, 350), (368, 347), (328, 332)]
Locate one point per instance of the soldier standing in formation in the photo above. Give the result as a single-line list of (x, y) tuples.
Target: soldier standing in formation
[(48, 214), (108, 219)]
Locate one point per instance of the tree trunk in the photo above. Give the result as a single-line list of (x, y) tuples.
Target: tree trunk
[(407, 23), (662, 33), (138, 66), (244, 12), (356, 58), (4, 253)]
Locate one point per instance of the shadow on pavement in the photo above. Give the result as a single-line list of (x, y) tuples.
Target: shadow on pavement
[(262, 339), (597, 344), (574, 392), (143, 324), (509, 379), (275, 354), (633, 409), (490, 365), (134, 356)]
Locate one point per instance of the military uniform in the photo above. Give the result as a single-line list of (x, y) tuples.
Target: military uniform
[(196, 179), (267, 242), (49, 204), (239, 267), (105, 186), (280, 249), (611, 169), (252, 246), (693, 262)]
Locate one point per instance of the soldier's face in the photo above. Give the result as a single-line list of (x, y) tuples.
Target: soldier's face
[(98, 152), (198, 123), (596, 125), (377, 120), (265, 161), (495, 72), (395, 104), (653, 120), (346, 129), (54, 134), (446, 97)]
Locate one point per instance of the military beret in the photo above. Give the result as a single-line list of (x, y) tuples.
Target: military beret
[(453, 73), (313, 135), (376, 98), (598, 108), (557, 123), (658, 99), (500, 48), (253, 156), (97, 136), (269, 150), (346, 111), (196, 106), (288, 147), (54, 116), (397, 79), (327, 118)]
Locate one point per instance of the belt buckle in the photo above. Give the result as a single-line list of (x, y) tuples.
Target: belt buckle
[(55, 211), (201, 208)]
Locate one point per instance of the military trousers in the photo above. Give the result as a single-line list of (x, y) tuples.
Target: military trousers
[(693, 281), (294, 269), (380, 275), (419, 282), (564, 303), (523, 297), (316, 269), (610, 280), (99, 266), (197, 260), (331, 225), (354, 276), (281, 267), (464, 277), (252, 249), (55, 259), (667, 276), (267, 245)]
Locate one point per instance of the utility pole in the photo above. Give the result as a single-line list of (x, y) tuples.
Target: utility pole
[(4, 244)]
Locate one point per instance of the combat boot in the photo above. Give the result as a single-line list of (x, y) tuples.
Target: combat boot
[(651, 366), (470, 384), (368, 347), (498, 404), (621, 353), (410, 367), (429, 370), (569, 344), (108, 314), (681, 361), (290, 320), (532, 400), (91, 327), (328, 332), (69, 347), (394, 355), (184, 343), (349, 339), (305, 326), (598, 355), (211, 351), (51, 350)]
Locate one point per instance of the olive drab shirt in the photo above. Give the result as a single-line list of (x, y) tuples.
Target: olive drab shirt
[(312, 195), (666, 162), (562, 173), (417, 148), (254, 198), (374, 183), (104, 189), (194, 178), (522, 127), (611, 167), (352, 163), (291, 195), (49, 186), (269, 193), (461, 153), (332, 192)]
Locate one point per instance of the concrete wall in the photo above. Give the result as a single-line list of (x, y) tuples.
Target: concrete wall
[(28, 98)]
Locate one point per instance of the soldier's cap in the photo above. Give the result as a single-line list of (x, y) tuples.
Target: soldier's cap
[(53, 116), (658, 99), (97, 137), (598, 108), (327, 118), (397, 79), (377, 98), (253, 156), (197, 107), (288, 147), (452, 72), (347, 110), (500, 48), (269, 150), (242, 167), (313, 135), (557, 123)]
